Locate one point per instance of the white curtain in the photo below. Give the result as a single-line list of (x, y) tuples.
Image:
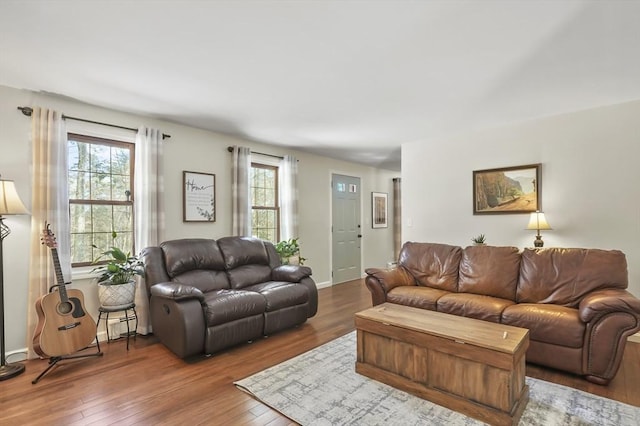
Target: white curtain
[(289, 198), (49, 203), (241, 198), (148, 207)]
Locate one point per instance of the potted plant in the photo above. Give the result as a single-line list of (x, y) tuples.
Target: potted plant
[(116, 286), (480, 240), (289, 252)]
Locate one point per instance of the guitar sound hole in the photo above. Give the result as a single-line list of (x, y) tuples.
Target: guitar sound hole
[(65, 307)]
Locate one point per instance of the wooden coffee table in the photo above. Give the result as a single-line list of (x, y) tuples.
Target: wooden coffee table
[(467, 365)]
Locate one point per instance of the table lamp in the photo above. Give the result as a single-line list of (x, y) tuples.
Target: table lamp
[(537, 221), (10, 204)]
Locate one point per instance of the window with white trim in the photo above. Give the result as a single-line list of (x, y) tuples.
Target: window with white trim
[(265, 205), (100, 196)]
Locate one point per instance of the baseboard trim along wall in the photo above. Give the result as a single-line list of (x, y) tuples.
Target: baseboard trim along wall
[(323, 284), (118, 327)]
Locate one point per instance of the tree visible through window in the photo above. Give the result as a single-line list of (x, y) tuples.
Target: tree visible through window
[(100, 196), (265, 209)]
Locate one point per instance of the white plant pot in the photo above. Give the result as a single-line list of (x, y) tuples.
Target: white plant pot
[(291, 260), (116, 296)]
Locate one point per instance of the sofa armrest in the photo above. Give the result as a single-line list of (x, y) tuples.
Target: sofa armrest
[(606, 301), (390, 278), (176, 291), (381, 281), (290, 273), (178, 324)]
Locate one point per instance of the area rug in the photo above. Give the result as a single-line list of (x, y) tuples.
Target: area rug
[(321, 387)]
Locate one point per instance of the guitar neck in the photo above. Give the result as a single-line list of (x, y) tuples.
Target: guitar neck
[(59, 277)]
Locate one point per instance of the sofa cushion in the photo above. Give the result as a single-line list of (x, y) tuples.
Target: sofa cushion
[(246, 261), (247, 275), (281, 294), (223, 306), (564, 276), (416, 296), (203, 279), (554, 324), (433, 265), (476, 306), (489, 270), (190, 254), (239, 251)]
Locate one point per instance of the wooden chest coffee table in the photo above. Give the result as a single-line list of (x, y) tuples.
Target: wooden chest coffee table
[(471, 366)]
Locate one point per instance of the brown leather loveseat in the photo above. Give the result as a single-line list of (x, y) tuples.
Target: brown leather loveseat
[(207, 295), (573, 301)]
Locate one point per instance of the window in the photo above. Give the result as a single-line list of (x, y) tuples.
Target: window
[(100, 196), (265, 208)]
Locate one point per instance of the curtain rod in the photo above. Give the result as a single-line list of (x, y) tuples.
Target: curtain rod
[(28, 111), (230, 149)]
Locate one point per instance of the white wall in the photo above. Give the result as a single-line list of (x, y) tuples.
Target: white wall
[(188, 149), (590, 183)]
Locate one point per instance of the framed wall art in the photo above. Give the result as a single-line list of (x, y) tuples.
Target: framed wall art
[(379, 210), (507, 190), (198, 197)]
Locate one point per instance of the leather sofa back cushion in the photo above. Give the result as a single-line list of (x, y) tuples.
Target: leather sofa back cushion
[(564, 276), (191, 254), (490, 271), (203, 279), (432, 265), (247, 275), (246, 260)]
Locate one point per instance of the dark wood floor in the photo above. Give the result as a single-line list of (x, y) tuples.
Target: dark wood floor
[(149, 385)]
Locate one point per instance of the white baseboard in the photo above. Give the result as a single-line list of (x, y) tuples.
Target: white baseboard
[(17, 355), (323, 284), (21, 354)]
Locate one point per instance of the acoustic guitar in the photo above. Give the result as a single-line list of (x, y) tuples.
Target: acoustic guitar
[(64, 327)]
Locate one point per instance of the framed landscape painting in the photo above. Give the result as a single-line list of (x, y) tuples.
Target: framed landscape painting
[(507, 190)]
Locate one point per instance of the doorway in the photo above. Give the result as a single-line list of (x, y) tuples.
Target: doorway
[(345, 228)]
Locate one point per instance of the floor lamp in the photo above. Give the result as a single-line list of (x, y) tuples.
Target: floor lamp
[(10, 204)]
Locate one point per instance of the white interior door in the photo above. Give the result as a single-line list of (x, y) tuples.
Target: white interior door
[(346, 228)]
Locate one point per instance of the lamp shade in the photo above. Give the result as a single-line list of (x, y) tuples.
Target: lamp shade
[(10, 202), (537, 221)]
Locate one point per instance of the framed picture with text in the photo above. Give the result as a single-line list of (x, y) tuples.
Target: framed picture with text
[(198, 197)]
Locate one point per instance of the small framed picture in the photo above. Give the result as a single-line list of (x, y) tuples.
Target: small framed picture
[(379, 210), (507, 190), (198, 197)]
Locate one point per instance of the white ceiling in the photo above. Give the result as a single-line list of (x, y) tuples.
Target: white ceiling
[(345, 79)]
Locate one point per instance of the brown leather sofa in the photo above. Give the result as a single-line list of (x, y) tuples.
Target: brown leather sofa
[(573, 301), (207, 295)]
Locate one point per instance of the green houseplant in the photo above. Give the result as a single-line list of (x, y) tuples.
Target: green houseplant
[(116, 286), (480, 240), (289, 252)]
